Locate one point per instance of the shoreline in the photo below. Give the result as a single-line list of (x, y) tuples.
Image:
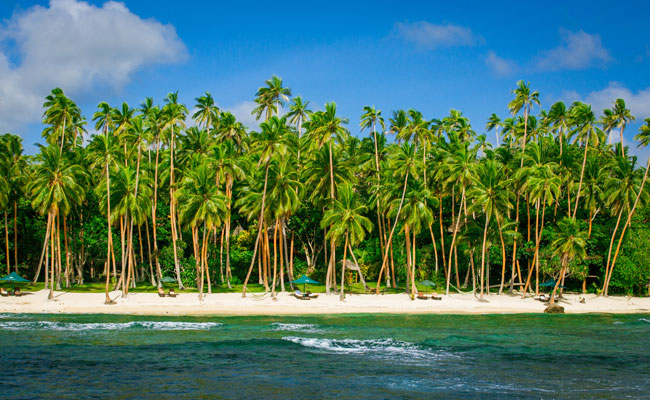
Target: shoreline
[(232, 304)]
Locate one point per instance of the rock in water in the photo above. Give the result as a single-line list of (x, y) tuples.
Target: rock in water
[(554, 309)]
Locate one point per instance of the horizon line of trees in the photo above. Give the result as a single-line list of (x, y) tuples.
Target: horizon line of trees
[(150, 196)]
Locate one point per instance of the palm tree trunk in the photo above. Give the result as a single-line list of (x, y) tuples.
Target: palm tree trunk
[(453, 240), (611, 244), (7, 243), (503, 256), (409, 259), (627, 224), (172, 211), (58, 253), (435, 248), (153, 218), (221, 255), (582, 172), (622, 146), (53, 261), (392, 231), (345, 254), (442, 237), (331, 268), (275, 257), (259, 229), (151, 273), (560, 279), (67, 253), (44, 251), (15, 236), (487, 221), (413, 254)]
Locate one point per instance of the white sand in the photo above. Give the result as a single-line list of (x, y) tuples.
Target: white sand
[(259, 304)]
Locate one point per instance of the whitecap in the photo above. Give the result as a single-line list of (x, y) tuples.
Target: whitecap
[(644, 320), (306, 328), (380, 348), (73, 326)]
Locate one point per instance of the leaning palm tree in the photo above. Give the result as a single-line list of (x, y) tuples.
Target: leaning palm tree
[(644, 138), (569, 244), (201, 205), (346, 221)]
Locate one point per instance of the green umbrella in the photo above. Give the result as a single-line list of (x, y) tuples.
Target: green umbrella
[(427, 283), (13, 278), (304, 280), (167, 279), (550, 283)]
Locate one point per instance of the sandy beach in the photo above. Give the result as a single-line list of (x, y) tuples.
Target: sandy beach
[(286, 304)]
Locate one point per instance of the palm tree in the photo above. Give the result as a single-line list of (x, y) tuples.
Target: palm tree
[(490, 196), (206, 111), (324, 127), (201, 204), (271, 141), (558, 117), (569, 244), (404, 163), (644, 138), (346, 220), (270, 98), (55, 189), (174, 115), (494, 123), (60, 112), (586, 132), (524, 99), (620, 117), (298, 113)]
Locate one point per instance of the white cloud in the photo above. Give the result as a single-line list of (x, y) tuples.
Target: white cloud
[(426, 35), (638, 102), (500, 66), (579, 50), (78, 47)]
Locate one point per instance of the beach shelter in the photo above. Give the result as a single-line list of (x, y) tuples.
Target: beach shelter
[(427, 283), (304, 280), (13, 278), (167, 279)]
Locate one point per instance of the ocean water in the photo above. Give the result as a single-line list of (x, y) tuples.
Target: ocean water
[(331, 356)]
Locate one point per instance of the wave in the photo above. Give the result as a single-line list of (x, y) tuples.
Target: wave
[(144, 325), (374, 347), (306, 328), (644, 320)]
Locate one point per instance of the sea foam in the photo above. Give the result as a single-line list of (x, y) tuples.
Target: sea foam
[(306, 328), (73, 326)]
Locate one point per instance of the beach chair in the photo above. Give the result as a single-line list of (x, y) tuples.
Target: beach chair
[(4, 292), (172, 293), (434, 296), (17, 292), (311, 295), (161, 292), (300, 295), (422, 296)]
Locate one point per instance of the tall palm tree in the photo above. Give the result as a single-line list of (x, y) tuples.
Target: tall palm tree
[(585, 132), (489, 195), (524, 99), (60, 113), (298, 113), (346, 219), (174, 115), (558, 117), (620, 117), (206, 111), (404, 163), (55, 189), (493, 124), (270, 98), (325, 127), (271, 141)]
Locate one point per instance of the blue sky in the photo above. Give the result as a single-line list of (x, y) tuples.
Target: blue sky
[(424, 55)]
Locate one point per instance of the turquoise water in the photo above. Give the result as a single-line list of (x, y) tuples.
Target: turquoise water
[(347, 357)]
